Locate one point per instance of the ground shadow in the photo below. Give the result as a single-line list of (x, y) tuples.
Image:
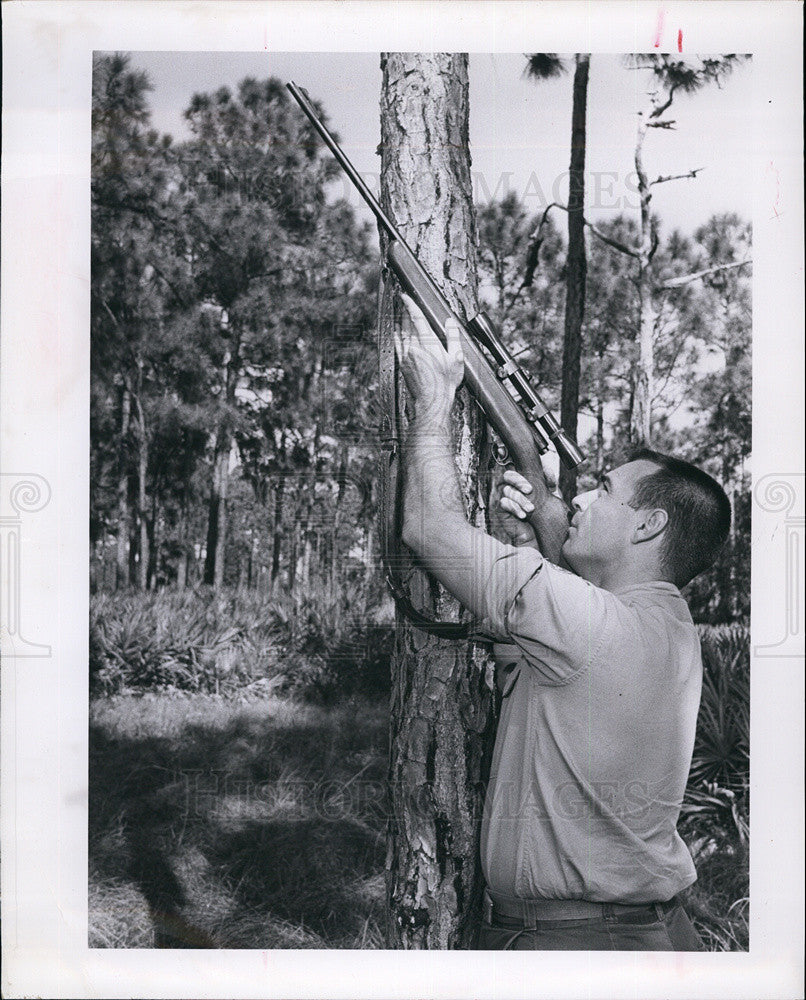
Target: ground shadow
[(224, 830)]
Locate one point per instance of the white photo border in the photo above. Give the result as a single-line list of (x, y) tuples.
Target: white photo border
[(48, 50)]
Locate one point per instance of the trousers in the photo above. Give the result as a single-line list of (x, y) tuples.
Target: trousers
[(641, 928)]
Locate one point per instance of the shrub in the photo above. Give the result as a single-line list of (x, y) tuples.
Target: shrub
[(236, 643), (717, 797), (714, 819)]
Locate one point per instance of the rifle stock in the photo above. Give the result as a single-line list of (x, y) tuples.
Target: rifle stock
[(498, 406)]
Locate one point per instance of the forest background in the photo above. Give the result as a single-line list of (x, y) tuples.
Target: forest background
[(234, 494)]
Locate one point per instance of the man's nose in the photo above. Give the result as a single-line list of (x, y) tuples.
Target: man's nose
[(584, 500)]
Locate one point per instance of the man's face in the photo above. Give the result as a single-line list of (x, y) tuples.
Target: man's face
[(603, 523)]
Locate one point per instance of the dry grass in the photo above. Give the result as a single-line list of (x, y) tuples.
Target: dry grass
[(220, 825)]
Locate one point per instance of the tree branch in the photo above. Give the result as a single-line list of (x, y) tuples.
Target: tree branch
[(685, 279), (532, 252), (536, 240), (616, 244), (180, 298), (655, 240), (677, 177), (664, 107)]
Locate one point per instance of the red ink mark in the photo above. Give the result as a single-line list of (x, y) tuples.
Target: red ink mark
[(659, 30), (680, 40), (771, 169)]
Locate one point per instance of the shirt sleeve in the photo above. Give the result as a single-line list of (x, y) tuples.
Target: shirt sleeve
[(558, 621)]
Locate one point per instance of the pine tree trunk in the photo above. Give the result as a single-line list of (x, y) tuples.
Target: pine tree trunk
[(222, 478), (134, 549), (142, 496), (576, 267), (182, 563), (277, 534), (254, 568), (143, 555), (217, 517), (441, 707), (217, 514), (370, 553), (243, 571), (304, 579), (599, 432), (293, 557), (123, 515), (154, 542)]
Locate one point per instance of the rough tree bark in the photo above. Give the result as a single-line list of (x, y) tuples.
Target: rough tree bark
[(277, 530), (441, 707), (576, 267), (217, 516)]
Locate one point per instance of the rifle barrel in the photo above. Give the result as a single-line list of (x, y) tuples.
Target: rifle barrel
[(407, 267), (301, 97)]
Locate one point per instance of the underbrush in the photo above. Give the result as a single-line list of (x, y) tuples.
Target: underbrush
[(715, 818), (239, 643)]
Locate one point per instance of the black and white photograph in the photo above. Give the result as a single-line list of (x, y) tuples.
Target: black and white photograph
[(435, 500), (267, 717)]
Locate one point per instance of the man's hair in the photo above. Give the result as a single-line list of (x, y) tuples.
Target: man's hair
[(698, 511)]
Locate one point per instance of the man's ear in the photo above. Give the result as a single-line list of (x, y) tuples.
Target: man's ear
[(650, 524)]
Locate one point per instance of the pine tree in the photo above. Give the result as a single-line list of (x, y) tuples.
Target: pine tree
[(544, 66), (440, 704)]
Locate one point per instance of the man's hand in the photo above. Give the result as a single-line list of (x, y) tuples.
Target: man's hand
[(511, 509), (432, 374), (525, 512)]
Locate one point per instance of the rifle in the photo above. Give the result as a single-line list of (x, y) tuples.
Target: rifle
[(502, 389)]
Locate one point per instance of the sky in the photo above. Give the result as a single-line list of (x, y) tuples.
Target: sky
[(519, 130)]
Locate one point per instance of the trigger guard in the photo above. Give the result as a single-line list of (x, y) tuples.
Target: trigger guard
[(500, 454)]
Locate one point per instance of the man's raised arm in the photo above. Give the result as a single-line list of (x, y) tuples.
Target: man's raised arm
[(435, 526)]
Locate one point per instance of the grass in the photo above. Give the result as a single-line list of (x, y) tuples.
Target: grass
[(718, 902), (219, 825)]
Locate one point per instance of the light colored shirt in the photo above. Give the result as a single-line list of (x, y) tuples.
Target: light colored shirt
[(595, 738)]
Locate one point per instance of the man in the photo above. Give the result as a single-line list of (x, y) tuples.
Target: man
[(601, 676)]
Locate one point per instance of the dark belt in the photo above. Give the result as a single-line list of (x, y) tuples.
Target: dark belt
[(569, 909)]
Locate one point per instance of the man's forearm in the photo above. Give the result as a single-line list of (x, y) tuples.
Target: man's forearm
[(435, 525), (432, 498)]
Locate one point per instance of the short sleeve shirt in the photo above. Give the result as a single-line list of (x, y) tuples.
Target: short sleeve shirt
[(595, 738)]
